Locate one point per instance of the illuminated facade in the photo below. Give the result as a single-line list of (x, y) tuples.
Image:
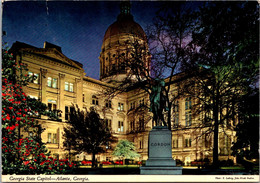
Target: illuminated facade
[(61, 82)]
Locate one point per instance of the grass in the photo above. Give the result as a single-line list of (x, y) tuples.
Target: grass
[(186, 167), (232, 168), (134, 169), (114, 166)]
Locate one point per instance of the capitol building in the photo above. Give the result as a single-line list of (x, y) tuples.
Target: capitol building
[(61, 83)]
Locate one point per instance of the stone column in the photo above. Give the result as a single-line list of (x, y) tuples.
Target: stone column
[(43, 85), (61, 105)]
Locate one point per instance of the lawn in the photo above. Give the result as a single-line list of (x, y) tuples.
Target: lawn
[(187, 170), (113, 166), (232, 168)]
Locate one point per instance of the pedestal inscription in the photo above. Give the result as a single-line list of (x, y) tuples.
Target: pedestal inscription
[(160, 154)]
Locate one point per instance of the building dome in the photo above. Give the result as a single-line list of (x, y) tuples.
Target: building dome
[(125, 25), (117, 43)]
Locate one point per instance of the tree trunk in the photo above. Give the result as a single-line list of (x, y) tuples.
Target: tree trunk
[(69, 155), (215, 146), (93, 160), (169, 116), (216, 129)]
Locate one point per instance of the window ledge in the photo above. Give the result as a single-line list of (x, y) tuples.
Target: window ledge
[(52, 87)]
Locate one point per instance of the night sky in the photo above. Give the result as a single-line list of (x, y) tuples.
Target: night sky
[(77, 27)]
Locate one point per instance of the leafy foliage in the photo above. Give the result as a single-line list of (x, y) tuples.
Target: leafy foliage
[(247, 143), (86, 132), (167, 37), (125, 150), (223, 57), (23, 151)]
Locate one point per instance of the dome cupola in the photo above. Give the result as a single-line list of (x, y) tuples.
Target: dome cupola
[(117, 41), (125, 24)]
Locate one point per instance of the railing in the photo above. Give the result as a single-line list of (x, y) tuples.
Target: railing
[(54, 115)]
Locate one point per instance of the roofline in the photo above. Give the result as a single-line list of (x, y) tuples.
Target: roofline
[(92, 80), (20, 46)]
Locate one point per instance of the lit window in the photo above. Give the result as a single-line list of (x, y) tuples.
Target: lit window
[(120, 126), (66, 86), (54, 140), (52, 82), (49, 81), (35, 77), (120, 106), (49, 138), (69, 87)]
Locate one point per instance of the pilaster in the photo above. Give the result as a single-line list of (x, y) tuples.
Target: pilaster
[(79, 92), (43, 85), (61, 105)]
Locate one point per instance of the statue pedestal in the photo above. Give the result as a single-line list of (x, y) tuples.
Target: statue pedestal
[(160, 160)]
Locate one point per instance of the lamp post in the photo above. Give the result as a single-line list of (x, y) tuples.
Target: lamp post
[(106, 151)]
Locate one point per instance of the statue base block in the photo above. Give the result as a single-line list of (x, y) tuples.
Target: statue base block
[(160, 160)]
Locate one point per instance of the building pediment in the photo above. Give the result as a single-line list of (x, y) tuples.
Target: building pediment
[(56, 55), (50, 51)]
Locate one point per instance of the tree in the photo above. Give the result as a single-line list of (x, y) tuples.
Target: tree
[(23, 151), (247, 130), (167, 37), (86, 132), (223, 61), (125, 150)]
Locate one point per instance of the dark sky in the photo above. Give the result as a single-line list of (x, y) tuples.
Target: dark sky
[(77, 27)]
